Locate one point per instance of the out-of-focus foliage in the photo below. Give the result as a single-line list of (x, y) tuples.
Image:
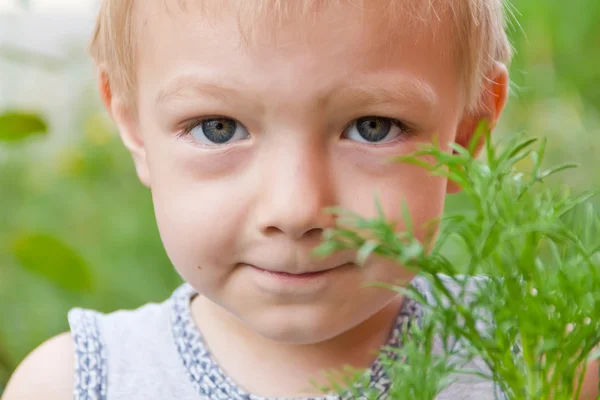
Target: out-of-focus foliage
[(51, 258), (77, 228), (16, 126)]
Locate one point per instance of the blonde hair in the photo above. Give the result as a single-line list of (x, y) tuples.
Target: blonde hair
[(478, 25)]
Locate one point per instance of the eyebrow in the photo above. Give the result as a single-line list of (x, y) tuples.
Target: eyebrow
[(411, 90), (184, 84)]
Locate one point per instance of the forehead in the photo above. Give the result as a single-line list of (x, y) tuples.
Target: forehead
[(316, 40), (257, 20)]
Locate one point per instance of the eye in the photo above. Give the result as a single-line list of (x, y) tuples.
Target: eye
[(216, 131), (375, 130)]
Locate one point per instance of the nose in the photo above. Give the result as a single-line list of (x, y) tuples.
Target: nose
[(296, 189)]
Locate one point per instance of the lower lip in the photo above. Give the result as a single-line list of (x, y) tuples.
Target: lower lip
[(296, 286)]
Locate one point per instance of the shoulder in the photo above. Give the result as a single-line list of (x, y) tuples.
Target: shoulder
[(47, 373)]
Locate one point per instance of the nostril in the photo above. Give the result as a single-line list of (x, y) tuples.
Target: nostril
[(314, 233), (272, 230)]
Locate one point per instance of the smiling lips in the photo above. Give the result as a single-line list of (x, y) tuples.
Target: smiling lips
[(297, 276)]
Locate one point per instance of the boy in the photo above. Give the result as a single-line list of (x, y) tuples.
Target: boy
[(246, 119)]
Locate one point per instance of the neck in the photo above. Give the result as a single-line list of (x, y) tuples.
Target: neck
[(230, 341)]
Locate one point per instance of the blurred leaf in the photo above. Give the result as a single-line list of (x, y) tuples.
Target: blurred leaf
[(15, 126), (50, 257)]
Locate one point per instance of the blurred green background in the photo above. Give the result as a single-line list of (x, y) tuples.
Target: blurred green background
[(77, 228)]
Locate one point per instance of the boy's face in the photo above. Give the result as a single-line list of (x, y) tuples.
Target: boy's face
[(245, 136)]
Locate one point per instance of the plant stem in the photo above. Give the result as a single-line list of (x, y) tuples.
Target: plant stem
[(530, 365)]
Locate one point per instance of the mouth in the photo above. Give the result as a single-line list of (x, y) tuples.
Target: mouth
[(305, 275)]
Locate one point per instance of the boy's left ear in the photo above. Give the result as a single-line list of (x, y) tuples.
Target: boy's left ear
[(491, 104)]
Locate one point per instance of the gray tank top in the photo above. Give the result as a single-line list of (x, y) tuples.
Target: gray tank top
[(157, 353)]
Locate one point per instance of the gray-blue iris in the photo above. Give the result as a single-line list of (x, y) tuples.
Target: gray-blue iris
[(219, 130), (373, 129)]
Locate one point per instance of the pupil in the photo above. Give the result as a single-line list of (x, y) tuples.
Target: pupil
[(220, 126)]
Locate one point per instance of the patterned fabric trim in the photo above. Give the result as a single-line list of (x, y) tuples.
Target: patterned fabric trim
[(210, 380), (90, 356)]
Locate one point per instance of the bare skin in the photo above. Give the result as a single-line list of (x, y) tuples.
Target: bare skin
[(257, 199)]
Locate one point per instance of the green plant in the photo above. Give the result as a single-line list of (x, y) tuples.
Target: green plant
[(16, 126), (534, 319)]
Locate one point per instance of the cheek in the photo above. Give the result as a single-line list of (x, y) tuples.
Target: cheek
[(394, 186), (197, 218), (423, 194), (188, 231)]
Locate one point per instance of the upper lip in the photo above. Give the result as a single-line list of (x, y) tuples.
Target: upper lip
[(297, 263)]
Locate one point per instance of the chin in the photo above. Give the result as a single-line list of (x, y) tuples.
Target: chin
[(300, 329)]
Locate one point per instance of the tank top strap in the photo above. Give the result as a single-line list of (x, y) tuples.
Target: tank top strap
[(129, 354), (90, 355)]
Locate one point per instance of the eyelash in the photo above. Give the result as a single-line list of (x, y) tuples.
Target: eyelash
[(407, 130), (190, 125), (402, 125)]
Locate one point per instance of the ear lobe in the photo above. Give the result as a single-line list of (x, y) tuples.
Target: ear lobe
[(126, 121), (491, 104)]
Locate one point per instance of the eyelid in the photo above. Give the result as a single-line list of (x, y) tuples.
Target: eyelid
[(395, 121), (185, 132), (407, 130), (189, 125)]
